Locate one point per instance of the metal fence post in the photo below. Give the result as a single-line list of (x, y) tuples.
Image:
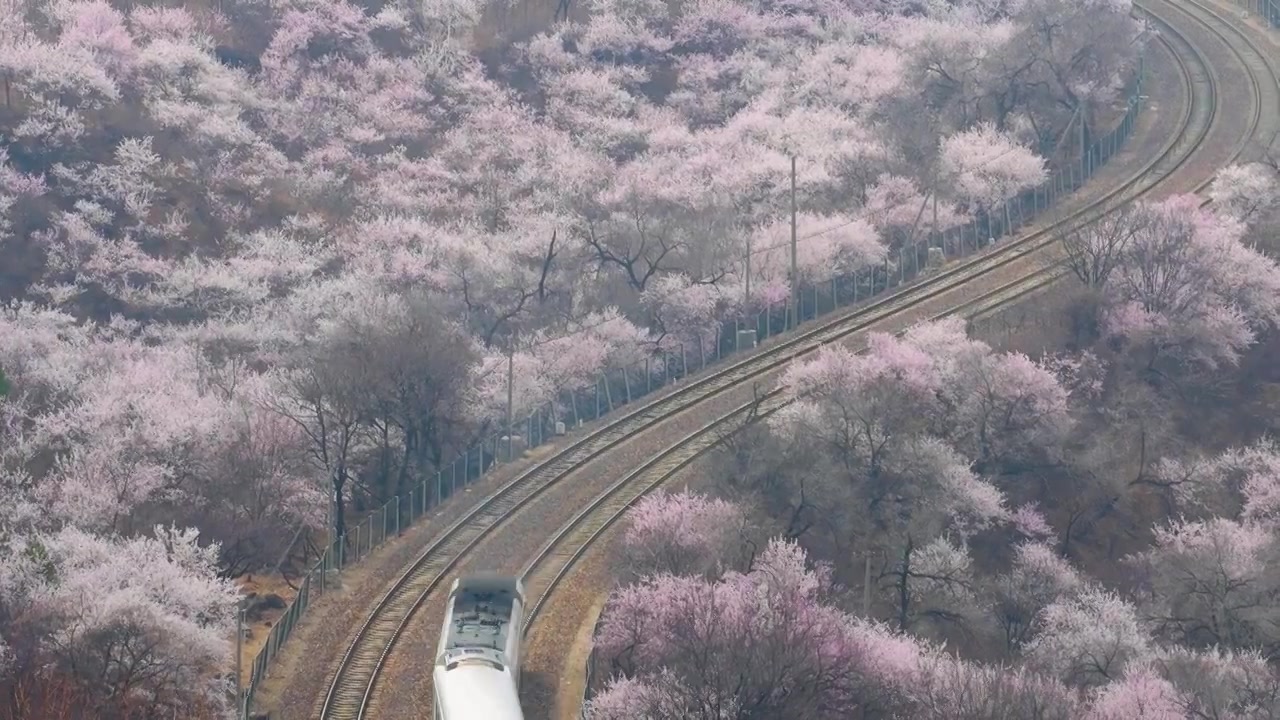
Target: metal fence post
[(240, 694)]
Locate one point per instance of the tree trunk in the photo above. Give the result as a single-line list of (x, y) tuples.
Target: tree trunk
[(340, 503), (407, 459), (904, 589)]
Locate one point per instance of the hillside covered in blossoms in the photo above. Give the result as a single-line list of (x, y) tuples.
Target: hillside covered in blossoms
[(256, 255)]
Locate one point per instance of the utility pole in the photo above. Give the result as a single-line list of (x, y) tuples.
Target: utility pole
[(333, 507), (866, 586), (746, 297), (1084, 150), (511, 393), (241, 709), (795, 275), (326, 557)]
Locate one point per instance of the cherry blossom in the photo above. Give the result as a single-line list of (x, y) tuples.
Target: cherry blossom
[(628, 344), (1241, 482), (1038, 578), (988, 168), (1013, 408), (895, 202), (1030, 522), (128, 438), (1222, 683), (45, 350), (718, 28), (663, 630), (531, 387), (1245, 191), (1088, 638), (1139, 695), (997, 407), (684, 311), (1207, 583), (15, 186), (169, 618), (1186, 286), (951, 689), (628, 698), (572, 362), (152, 23), (682, 533), (826, 247), (100, 29)]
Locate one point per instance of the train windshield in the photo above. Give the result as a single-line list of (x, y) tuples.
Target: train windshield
[(474, 662)]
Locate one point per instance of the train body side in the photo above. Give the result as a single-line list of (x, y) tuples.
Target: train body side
[(477, 666)]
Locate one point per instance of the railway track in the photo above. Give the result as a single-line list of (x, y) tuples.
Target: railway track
[(1262, 74), (355, 680), (543, 575)]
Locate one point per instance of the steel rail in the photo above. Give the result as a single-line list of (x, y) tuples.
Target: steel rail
[(1257, 62)]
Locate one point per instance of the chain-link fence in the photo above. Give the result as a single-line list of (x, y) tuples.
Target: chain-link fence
[(624, 386)]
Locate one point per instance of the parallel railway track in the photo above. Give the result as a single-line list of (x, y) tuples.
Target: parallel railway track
[(543, 575), (355, 680), (1262, 74)]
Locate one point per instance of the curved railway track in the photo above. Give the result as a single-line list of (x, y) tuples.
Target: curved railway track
[(355, 680), (1263, 77), (543, 575)]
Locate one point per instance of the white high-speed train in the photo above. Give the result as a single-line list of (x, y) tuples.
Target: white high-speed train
[(477, 671)]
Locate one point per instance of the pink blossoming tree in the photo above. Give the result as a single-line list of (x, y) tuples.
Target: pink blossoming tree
[(683, 534), (768, 629)]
